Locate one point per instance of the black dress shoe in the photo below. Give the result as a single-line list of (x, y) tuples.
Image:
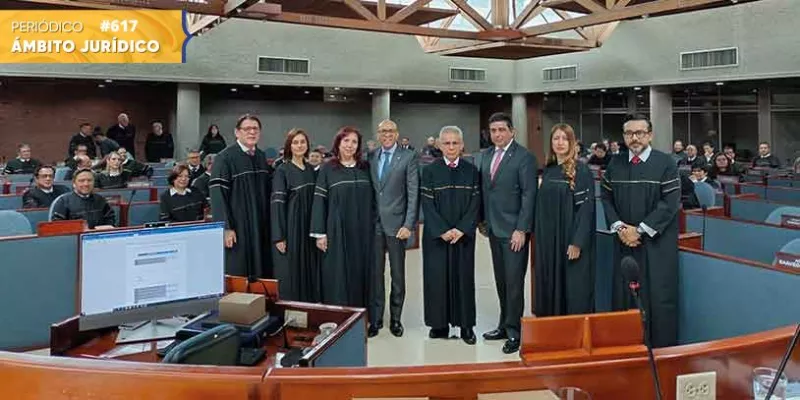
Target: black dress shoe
[(511, 346), (439, 333), (396, 328), (468, 336), (373, 331), (497, 334)]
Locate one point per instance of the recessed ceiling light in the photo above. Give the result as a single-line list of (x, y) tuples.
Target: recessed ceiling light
[(400, 94), (370, 93), (101, 85), (256, 86), (720, 83), (637, 88), (546, 93), (344, 97), (109, 81), (306, 92), (754, 90), (499, 96), (466, 93), (336, 88), (620, 93), (572, 92), (602, 90), (438, 91), (639, 96), (332, 96), (455, 96), (233, 89)]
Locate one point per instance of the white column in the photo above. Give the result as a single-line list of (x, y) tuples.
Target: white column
[(381, 107), (661, 117), (519, 117), (187, 134)]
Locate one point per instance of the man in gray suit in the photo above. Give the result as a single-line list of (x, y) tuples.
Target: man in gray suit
[(395, 178), (508, 183)]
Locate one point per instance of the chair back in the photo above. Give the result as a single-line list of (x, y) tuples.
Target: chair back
[(13, 223), (61, 173), (774, 216), (706, 194), (217, 346)]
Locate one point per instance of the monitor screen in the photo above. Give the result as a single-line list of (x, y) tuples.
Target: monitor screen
[(143, 274)]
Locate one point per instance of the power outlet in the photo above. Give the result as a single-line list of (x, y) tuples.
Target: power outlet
[(299, 319), (699, 386)]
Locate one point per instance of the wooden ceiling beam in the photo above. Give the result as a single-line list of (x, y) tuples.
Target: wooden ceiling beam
[(564, 16), (591, 5), (406, 11), (531, 10), (359, 8), (374, 26), (617, 14), (471, 14)]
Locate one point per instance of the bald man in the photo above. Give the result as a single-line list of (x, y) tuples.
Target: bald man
[(395, 179), (124, 133)]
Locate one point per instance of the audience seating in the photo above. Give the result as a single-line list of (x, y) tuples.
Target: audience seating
[(774, 217), (35, 215), (61, 173), (10, 202), (13, 223), (140, 213), (706, 194)]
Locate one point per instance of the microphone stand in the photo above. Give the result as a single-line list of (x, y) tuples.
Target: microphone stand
[(634, 286), (785, 359)]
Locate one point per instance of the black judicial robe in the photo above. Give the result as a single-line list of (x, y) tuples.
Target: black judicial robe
[(185, 207), (157, 147), (450, 199), (94, 209), (136, 169), (105, 181), (648, 192), (201, 183), (297, 270), (17, 166), (212, 145), (37, 198), (199, 172), (345, 210), (240, 189), (564, 217)]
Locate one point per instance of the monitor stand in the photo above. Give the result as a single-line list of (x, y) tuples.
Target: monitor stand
[(150, 330)]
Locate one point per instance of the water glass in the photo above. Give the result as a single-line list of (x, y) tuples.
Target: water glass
[(572, 393), (762, 380)]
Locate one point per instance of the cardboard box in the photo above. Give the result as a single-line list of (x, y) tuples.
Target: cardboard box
[(242, 308)]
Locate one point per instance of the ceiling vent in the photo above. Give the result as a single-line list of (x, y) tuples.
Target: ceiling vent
[(705, 59), (288, 66)]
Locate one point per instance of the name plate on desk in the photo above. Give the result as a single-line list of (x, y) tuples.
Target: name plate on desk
[(787, 260), (790, 221)]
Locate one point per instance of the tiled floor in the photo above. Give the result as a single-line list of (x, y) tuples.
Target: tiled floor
[(415, 348)]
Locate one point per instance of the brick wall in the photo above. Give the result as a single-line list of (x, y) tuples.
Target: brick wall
[(46, 113)]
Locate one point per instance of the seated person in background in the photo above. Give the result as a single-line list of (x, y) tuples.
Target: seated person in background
[(730, 152), (405, 143), (765, 158), (708, 153), (23, 164), (134, 168), (691, 157), (430, 148), (81, 203), (159, 144), (195, 166), (213, 142), (279, 160), (114, 177), (315, 159), (700, 174), (613, 146), (201, 183), (105, 144), (72, 162), (723, 167), (689, 199), (44, 192), (81, 162), (678, 152), (600, 157), (179, 203)]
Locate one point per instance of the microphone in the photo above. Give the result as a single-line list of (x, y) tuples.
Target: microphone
[(703, 239), (784, 360), (133, 193), (630, 271)]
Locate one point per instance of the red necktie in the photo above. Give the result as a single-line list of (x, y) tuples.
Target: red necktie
[(636, 160), (452, 165)]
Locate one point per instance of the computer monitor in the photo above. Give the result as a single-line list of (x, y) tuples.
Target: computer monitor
[(147, 274)]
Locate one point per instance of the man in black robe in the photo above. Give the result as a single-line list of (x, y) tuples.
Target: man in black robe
[(450, 190), (240, 190), (124, 134), (201, 183), (44, 192), (83, 137), (23, 164), (159, 144), (641, 195), (196, 168)]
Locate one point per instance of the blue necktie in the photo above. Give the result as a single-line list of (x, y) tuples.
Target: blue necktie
[(385, 166)]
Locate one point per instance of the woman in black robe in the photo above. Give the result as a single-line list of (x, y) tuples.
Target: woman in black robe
[(343, 221), (213, 142), (81, 203), (564, 231), (178, 203), (240, 188), (114, 177), (297, 257)]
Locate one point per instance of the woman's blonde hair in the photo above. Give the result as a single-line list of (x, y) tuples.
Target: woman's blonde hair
[(570, 161)]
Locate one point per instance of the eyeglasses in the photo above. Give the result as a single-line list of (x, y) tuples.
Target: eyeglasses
[(451, 143), (638, 134), (45, 176), (250, 129)]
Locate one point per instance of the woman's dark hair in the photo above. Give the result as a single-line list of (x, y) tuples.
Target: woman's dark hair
[(44, 166), (177, 170), (210, 128), (80, 171), (247, 117), (287, 145), (337, 140), (715, 171)]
